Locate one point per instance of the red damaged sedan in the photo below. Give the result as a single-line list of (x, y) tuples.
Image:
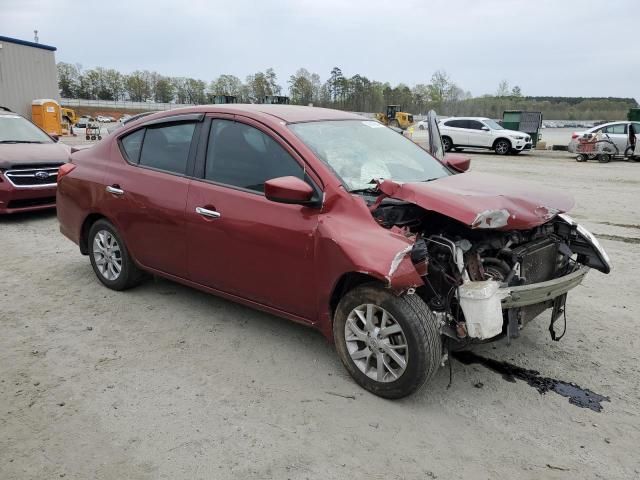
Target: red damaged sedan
[(331, 220)]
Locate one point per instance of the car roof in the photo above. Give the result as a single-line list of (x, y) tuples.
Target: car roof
[(466, 118), (611, 123), (285, 113)]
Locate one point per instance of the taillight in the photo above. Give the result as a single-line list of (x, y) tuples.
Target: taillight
[(64, 169)]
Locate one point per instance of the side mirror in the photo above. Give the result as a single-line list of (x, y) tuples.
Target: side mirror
[(55, 137), (288, 190), (486, 129), (459, 163)]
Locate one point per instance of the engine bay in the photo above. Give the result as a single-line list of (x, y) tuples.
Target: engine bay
[(467, 270)]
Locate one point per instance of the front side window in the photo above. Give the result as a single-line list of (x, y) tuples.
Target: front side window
[(475, 125), (245, 157), (16, 129), (166, 147), (618, 128), (493, 125), (362, 151)]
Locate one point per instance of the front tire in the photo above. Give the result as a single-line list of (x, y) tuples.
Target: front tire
[(604, 158), (502, 147), (581, 158), (389, 344), (110, 258)]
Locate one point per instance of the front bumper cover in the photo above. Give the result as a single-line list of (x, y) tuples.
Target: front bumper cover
[(524, 295)]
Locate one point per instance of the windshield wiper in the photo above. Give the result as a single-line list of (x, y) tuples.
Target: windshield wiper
[(19, 141), (430, 179)]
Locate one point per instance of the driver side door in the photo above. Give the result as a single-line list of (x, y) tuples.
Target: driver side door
[(479, 134)]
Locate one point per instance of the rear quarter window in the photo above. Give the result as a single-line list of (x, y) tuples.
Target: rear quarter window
[(132, 144)]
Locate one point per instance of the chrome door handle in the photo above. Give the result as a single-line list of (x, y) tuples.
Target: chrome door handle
[(208, 213), (114, 190)]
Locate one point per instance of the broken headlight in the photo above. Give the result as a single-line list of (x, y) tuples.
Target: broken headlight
[(586, 245)]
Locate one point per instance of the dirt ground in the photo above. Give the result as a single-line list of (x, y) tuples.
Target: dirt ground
[(165, 382)]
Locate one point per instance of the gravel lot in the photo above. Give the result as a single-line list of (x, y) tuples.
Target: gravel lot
[(165, 382)]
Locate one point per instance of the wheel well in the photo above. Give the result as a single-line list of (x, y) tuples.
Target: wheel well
[(347, 282), (84, 231), (501, 138)]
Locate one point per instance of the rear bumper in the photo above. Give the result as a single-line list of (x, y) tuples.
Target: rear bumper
[(572, 147), (542, 292), (15, 200)]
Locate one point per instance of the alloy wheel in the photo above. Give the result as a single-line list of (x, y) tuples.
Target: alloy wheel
[(107, 255), (502, 148), (376, 343)]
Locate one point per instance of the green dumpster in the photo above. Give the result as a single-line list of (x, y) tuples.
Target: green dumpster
[(634, 115), (528, 122)]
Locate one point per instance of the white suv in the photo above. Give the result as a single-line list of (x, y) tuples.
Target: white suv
[(480, 132)]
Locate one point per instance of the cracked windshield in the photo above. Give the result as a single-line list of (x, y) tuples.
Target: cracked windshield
[(363, 151)]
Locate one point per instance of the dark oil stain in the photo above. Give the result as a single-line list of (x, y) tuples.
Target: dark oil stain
[(581, 397)]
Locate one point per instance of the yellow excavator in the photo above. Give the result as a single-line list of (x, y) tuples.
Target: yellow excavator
[(395, 117), (69, 119)]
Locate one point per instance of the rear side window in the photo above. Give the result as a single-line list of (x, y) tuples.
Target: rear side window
[(456, 123), (243, 156), (167, 147), (132, 144), (474, 125)]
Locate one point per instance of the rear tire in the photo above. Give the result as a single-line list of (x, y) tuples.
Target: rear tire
[(447, 144), (414, 326), (110, 258), (604, 158), (581, 158)]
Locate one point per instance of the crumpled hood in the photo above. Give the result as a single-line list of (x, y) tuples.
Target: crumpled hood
[(16, 154), (466, 196)]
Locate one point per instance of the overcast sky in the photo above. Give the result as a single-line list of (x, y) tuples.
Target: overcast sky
[(547, 47)]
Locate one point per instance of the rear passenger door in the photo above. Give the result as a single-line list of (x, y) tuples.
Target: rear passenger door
[(146, 193), (456, 129)]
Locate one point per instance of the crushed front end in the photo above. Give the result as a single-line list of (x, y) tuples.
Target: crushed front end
[(485, 281)]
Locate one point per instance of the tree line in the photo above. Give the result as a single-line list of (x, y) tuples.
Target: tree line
[(355, 93)]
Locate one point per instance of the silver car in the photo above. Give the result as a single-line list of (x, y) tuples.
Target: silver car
[(618, 132)]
